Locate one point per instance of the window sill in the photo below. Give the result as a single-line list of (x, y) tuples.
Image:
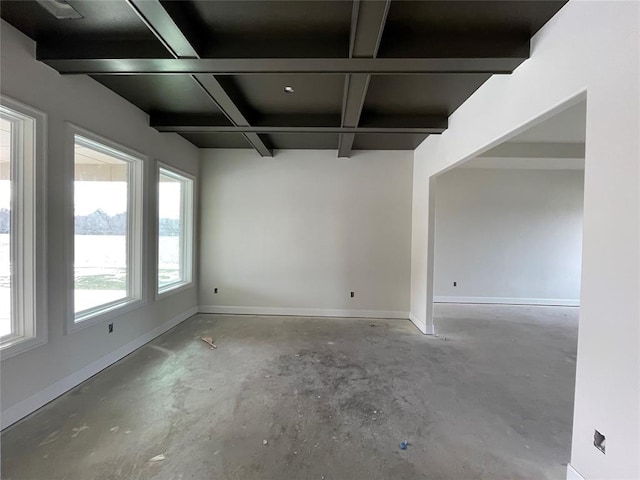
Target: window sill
[(174, 288), (108, 313), (19, 345)]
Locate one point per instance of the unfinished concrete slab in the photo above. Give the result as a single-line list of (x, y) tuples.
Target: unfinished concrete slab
[(320, 398)]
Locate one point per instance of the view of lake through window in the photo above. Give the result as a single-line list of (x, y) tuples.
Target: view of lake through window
[(101, 227), (102, 196), (175, 219)]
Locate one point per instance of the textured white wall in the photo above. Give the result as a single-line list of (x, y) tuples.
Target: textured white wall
[(589, 50), (31, 377), (299, 231), (507, 235)]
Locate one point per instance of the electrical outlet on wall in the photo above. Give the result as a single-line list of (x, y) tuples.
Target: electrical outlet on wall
[(353, 294), (455, 284), (599, 441)]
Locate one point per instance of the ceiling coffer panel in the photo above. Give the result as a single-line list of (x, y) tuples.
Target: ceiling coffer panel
[(161, 93), (271, 29), (270, 74), (307, 94), (419, 94), (418, 29)]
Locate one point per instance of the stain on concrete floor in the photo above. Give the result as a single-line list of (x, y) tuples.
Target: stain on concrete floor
[(333, 398)]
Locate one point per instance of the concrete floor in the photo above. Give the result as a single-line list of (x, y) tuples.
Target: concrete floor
[(491, 398)]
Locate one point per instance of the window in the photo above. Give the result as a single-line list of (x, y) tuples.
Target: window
[(8, 130), (175, 229), (107, 244), (22, 283)]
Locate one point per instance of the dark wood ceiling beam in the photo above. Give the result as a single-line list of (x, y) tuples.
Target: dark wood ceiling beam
[(160, 22), (212, 87), (249, 66), (424, 124), (404, 121), (356, 92), (268, 130), (439, 46), (507, 46), (357, 86), (367, 26), (298, 120)]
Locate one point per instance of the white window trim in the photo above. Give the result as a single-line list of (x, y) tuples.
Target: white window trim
[(137, 266), (188, 250), (31, 232)]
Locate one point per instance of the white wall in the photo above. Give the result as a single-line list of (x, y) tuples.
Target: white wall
[(33, 378), (589, 50), (297, 232), (508, 236)]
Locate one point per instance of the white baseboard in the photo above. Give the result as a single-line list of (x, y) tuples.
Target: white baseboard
[(555, 302), (31, 404), (302, 312), (419, 325), (572, 473)]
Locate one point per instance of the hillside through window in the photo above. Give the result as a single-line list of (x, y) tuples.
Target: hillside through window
[(105, 227), (175, 220)]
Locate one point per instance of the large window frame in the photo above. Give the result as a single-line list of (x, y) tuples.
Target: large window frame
[(187, 230), (136, 264), (28, 228)]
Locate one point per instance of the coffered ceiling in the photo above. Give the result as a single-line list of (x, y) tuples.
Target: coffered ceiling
[(364, 74)]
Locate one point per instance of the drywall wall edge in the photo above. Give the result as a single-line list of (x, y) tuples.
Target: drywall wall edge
[(551, 302), (572, 474), (303, 312), (20, 410)]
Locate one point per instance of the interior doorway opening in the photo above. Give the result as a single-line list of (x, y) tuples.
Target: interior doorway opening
[(507, 273)]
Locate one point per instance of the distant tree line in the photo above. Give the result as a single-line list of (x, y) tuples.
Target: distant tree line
[(100, 223)]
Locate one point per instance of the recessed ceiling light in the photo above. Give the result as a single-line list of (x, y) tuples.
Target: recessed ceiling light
[(289, 89)]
